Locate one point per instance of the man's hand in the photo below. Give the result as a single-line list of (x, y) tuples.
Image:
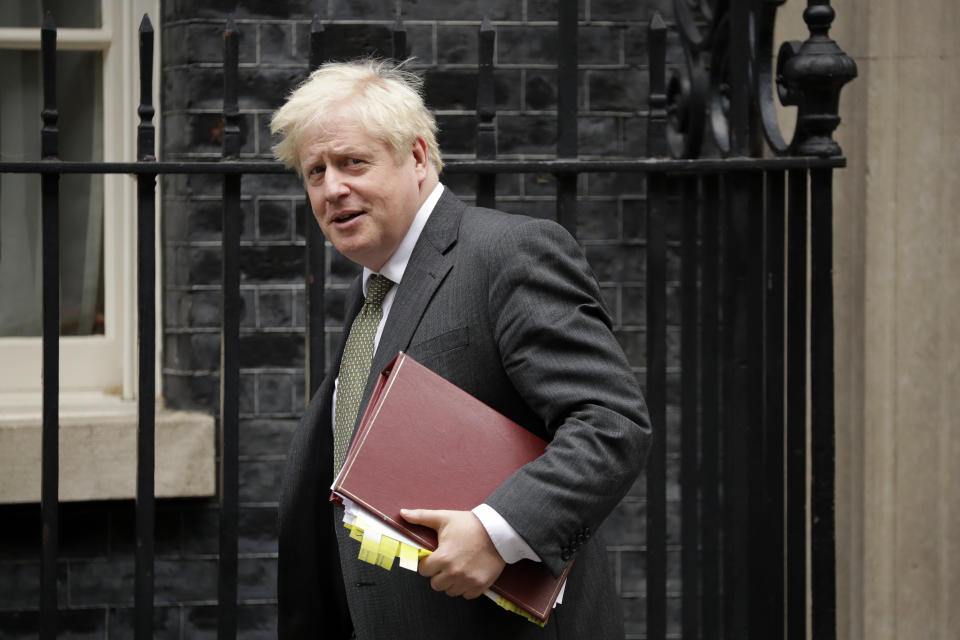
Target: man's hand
[(465, 563)]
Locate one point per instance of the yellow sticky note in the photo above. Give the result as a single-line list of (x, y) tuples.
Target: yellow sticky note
[(387, 552), (369, 550), (356, 532), (409, 558)]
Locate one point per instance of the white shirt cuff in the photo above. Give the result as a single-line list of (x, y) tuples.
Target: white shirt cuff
[(508, 542)]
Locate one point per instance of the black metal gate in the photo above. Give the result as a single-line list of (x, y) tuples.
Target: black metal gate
[(753, 258)]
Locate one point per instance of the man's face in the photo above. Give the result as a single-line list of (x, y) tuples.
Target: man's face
[(362, 196)]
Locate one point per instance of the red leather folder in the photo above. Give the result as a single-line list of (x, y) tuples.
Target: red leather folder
[(424, 443)]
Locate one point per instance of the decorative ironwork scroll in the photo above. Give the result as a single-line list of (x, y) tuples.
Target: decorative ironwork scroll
[(808, 75)]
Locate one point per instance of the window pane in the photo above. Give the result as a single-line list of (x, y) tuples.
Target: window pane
[(79, 91), (75, 14)]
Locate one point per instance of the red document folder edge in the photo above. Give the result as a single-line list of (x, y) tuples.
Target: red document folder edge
[(424, 443)]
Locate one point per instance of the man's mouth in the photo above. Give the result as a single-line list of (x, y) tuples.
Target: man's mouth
[(346, 217)]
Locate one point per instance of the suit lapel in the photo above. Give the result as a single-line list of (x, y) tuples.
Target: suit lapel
[(428, 266)]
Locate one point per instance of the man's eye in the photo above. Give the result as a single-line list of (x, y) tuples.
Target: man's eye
[(355, 161), (317, 170)]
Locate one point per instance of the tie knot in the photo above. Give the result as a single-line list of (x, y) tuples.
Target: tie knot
[(377, 288)]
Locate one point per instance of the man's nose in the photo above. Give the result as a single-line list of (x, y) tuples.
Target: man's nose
[(334, 185)]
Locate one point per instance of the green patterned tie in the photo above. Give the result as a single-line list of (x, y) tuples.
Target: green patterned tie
[(355, 367)]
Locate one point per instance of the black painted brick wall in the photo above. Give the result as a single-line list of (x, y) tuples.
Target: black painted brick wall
[(96, 567)]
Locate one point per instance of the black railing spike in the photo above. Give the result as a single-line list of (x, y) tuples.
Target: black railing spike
[(657, 120), (49, 145), (231, 111), (145, 131), (486, 112), (146, 340), (50, 437), (317, 38), (399, 39)]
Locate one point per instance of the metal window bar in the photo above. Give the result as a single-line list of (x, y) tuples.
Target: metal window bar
[(744, 321)]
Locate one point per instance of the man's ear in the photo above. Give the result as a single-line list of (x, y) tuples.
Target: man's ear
[(421, 159)]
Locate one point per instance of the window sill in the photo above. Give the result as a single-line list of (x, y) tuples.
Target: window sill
[(98, 444)]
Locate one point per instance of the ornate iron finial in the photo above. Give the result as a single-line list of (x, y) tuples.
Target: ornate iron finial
[(812, 75)]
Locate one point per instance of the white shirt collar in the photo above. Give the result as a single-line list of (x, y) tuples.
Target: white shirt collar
[(397, 264)]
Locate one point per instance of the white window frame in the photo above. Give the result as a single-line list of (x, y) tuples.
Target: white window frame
[(98, 368)]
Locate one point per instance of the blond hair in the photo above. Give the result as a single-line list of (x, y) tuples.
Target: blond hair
[(385, 98)]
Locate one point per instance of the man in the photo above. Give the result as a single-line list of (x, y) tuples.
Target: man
[(503, 306)]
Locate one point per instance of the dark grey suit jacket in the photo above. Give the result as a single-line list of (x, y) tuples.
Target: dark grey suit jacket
[(505, 307)]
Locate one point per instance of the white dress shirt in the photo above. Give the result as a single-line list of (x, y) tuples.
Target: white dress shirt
[(508, 542)]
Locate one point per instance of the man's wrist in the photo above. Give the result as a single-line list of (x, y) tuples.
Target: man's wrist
[(509, 544)]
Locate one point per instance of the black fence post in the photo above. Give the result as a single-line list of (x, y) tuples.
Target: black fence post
[(400, 51), (146, 336), (690, 480), (50, 460), (796, 405), (822, 416), (486, 112), (315, 258), (656, 301), (230, 345), (568, 79)]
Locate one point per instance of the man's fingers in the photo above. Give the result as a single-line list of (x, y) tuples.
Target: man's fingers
[(427, 517)]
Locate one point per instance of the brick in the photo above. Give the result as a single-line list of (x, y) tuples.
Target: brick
[(600, 44), (18, 536), (345, 41), (191, 392), (458, 134), (626, 524), (342, 270), (257, 579), (248, 394), (628, 9), (276, 309), (202, 42), (274, 264), (260, 480), (617, 90), (201, 528), (598, 136), (254, 622), (185, 580), (616, 263), (274, 220), (634, 218), (527, 45), (361, 9), (102, 582), (541, 90), (527, 134), (193, 351), (633, 572), (457, 89), (275, 393), (597, 220), (549, 10), (84, 532), (166, 623), (258, 530), (276, 44), (446, 10), (266, 87), (457, 44)]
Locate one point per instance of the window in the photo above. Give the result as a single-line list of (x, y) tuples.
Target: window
[(98, 91)]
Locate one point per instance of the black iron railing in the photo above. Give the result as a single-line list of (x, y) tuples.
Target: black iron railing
[(745, 363)]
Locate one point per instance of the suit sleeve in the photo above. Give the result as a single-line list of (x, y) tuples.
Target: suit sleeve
[(559, 351)]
